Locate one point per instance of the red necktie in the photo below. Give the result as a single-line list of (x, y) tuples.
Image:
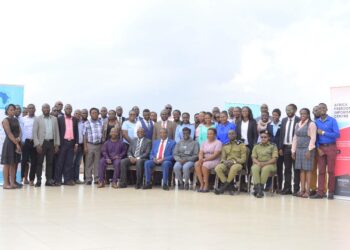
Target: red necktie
[(160, 152)]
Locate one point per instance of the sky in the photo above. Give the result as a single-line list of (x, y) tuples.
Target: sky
[(192, 54)]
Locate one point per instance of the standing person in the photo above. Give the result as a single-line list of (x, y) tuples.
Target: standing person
[(146, 123), (303, 150), (327, 135), (84, 115), (248, 133), (263, 122), (46, 138), (78, 155), (285, 150), (11, 149), (69, 138), (185, 154), (264, 108), (103, 114), (136, 109), (209, 158), (92, 146), (108, 124), (113, 151), (196, 120), (274, 129), (161, 155), (215, 111), (233, 157), (176, 116), (202, 130), (59, 108), (169, 110), (120, 117), (138, 153), (25, 111), (28, 151), (184, 124), (154, 116), (164, 123), (223, 127), (231, 116), (19, 117), (129, 128), (237, 113), (264, 157)]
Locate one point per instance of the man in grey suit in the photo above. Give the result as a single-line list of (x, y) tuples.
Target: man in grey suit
[(164, 123), (138, 153), (46, 139)]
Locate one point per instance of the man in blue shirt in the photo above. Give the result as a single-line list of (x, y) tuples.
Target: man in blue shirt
[(327, 134), (223, 127)]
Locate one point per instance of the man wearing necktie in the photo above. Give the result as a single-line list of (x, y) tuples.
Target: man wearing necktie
[(285, 150), (146, 124), (161, 155)]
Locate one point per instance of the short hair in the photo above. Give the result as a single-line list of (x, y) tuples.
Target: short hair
[(224, 112), (293, 106), (278, 111), (176, 110), (112, 110), (7, 108), (265, 112), (92, 109), (186, 129), (322, 104), (239, 108), (213, 129), (208, 113), (146, 111), (185, 113), (196, 114)]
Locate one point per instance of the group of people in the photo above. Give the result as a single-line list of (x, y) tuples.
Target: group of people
[(224, 143)]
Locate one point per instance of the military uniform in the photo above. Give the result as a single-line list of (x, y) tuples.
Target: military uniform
[(233, 156), (263, 153)]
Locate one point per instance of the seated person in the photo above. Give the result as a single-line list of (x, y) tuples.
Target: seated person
[(233, 156), (264, 158), (138, 153), (113, 151), (185, 154), (161, 155), (209, 158)]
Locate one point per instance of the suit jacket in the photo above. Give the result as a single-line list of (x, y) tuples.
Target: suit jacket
[(284, 129), (39, 131), (145, 149), (123, 120), (171, 127), (168, 151), (252, 132), (274, 139), (62, 128), (105, 127)]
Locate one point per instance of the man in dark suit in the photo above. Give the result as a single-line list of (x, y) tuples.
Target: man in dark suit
[(69, 137), (285, 150), (138, 153), (164, 123), (274, 128), (161, 155), (120, 117)]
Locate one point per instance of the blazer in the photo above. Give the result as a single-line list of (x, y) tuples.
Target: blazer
[(62, 128), (123, 120), (252, 132), (274, 139), (145, 149), (171, 127), (168, 151), (39, 131), (284, 129), (105, 127)]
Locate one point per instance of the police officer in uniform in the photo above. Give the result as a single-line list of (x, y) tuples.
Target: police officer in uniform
[(264, 158), (233, 157)]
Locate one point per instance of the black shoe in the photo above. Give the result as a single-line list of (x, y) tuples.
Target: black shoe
[(50, 183), (286, 192), (95, 182), (166, 187), (147, 186), (267, 189), (78, 182), (222, 189), (313, 192), (316, 196), (58, 184), (330, 196), (187, 186), (181, 186), (88, 183), (123, 185), (137, 186), (38, 184)]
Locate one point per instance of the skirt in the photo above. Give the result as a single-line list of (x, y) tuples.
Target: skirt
[(9, 155), (301, 162)]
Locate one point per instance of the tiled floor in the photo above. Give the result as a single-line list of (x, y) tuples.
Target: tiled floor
[(84, 217)]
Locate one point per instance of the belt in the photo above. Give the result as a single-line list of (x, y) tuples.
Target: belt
[(287, 146), (96, 143), (49, 140), (69, 140), (327, 144)]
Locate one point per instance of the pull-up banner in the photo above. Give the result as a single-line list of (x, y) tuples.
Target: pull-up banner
[(340, 109)]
